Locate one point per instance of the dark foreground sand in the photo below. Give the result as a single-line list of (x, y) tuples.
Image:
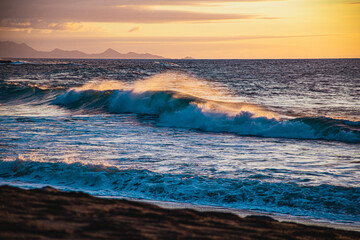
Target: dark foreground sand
[(49, 213)]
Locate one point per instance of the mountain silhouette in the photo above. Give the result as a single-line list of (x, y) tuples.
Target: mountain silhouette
[(15, 50)]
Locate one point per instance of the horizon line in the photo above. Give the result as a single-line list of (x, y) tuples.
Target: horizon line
[(184, 59)]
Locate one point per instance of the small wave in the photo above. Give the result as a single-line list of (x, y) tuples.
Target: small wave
[(323, 201), (166, 64), (19, 92), (19, 63), (198, 106)]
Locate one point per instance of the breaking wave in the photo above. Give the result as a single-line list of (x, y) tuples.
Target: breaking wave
[(194, 105), (323, 201), (19, 93), (186, 102)]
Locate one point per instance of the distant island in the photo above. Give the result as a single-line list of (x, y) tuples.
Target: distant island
[(15, 50)]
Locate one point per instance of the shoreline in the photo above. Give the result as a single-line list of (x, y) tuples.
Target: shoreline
[(198, 207), (50, 213), (243, 213)]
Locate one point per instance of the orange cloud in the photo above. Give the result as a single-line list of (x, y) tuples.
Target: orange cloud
[(206, 39), (187, 2), (38, 24), (105, 11)]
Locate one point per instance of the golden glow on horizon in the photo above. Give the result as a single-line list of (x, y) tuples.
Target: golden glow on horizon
[(258, 29)]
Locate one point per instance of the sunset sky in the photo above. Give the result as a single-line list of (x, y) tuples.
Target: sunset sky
[(180, 28)]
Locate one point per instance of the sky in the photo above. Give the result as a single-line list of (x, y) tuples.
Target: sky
[(203, 29)]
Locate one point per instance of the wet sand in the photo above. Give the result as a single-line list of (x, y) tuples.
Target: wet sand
[(48, 213)]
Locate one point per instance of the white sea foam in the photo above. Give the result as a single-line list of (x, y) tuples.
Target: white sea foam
[(314, 201)]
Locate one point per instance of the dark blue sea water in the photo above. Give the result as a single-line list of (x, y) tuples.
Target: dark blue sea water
[(274, 136)]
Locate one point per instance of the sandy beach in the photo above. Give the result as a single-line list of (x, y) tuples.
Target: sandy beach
[(48, 213)]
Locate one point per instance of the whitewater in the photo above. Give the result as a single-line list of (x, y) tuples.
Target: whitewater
[(273, 136)]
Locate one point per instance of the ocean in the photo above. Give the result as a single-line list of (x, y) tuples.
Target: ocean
[(271, 136)]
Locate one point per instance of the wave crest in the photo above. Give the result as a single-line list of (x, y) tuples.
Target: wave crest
[(175, 107)]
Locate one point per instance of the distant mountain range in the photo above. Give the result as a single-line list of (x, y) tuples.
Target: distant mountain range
[(15, 50)]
